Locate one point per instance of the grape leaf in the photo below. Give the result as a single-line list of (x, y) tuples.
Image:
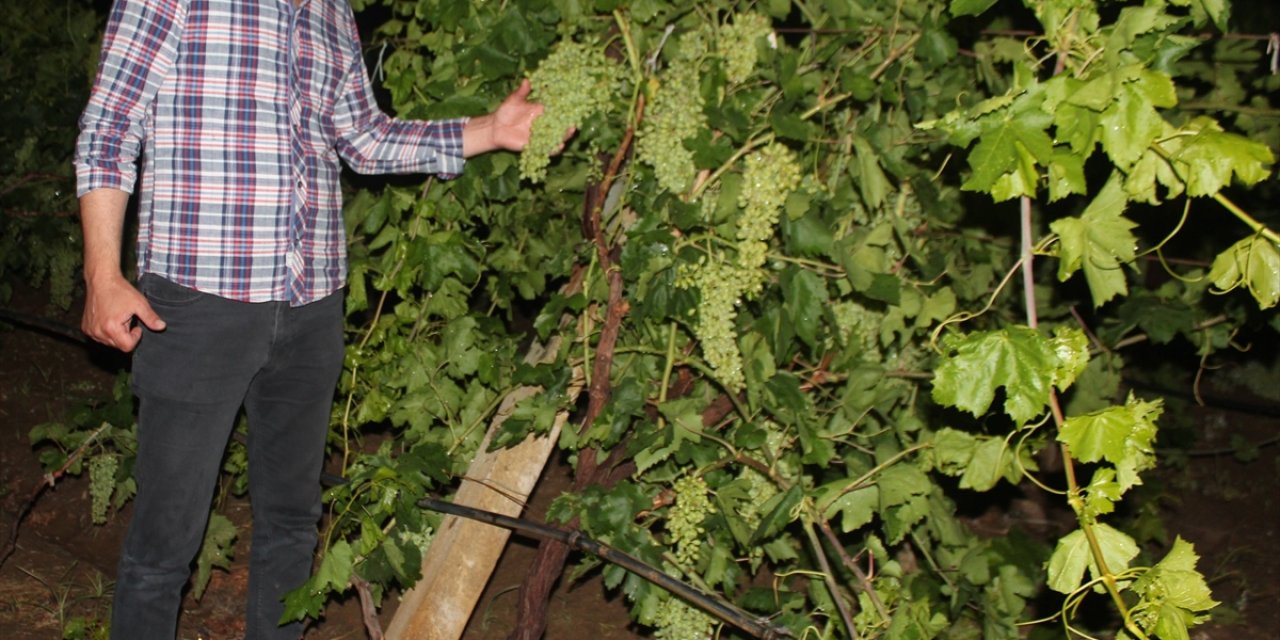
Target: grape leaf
[(992, 460), (1071, 346), (899, 520), (1209, 158), (871, 177), (1175, 590), (215, 551), (1217, 10), (1160, 318), (1005, 158), (1129, 126), (779, 511), (970, 7), (806, 296), (1121, 435), (1136, 21), (1182, 583), (335, 569), (1078, 127), (1102, 493), (1100, 241), (952, 450), (856, 508), (1072, 555), (1150, 170), (899, 484), (1066, 175), (1254, 263), (1017, 358), (980, 461)]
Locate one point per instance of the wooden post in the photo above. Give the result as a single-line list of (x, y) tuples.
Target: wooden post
[(463, 553)]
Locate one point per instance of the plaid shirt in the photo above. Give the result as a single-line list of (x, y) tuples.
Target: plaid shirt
[(240, 110)]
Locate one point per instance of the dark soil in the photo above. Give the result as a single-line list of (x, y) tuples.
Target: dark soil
[(61, 571)]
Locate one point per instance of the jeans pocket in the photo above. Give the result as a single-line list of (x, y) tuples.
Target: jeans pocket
[(165, 293)]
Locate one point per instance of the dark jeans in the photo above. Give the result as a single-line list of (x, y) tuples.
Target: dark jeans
[(281, 365)]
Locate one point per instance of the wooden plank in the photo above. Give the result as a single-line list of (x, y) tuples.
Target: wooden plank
[(464, 552)]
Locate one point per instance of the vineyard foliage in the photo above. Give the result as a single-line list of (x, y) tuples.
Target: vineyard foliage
[(41, 98), (832, 268)]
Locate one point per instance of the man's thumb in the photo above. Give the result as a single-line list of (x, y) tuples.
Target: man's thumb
[(149, 317)]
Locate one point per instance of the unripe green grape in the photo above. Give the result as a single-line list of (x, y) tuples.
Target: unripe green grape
[(859, 328), (673, 116), (676, 620), (573, 83), (722, 285), (102, 483), (684, 519), (769, 176), (737, 45)]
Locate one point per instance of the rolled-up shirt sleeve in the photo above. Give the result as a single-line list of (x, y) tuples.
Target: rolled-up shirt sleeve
[(370, 141), (139, 48)]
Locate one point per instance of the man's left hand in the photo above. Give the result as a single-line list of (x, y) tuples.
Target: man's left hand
[(506, 128)]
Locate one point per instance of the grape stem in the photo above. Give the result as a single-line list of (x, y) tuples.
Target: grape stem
[(854, 568), (666, 371), (829, 578), (1073, 486)]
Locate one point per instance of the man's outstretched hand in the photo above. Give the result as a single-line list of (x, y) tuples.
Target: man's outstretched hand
[(507, 128)]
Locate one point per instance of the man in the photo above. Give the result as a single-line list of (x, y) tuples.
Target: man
[(239, 111)]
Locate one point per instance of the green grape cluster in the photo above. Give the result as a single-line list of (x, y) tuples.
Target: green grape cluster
[(694, 44), (574, 82), (684, 520), (674, 115), (858, 328), (676, 620), (769, 176), (737, 45), (721, 284), (102, 484)]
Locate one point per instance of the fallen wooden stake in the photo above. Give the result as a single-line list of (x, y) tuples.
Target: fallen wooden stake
[(463, 553)]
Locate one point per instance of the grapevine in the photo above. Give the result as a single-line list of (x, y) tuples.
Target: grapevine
[(786, 245)]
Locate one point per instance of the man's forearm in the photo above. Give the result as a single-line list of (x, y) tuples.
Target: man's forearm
[(102, 219)]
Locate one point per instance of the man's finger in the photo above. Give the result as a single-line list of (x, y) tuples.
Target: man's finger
[(523, 90), (147, 316)]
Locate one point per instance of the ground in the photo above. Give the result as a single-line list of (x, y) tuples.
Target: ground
[(61, 572)]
